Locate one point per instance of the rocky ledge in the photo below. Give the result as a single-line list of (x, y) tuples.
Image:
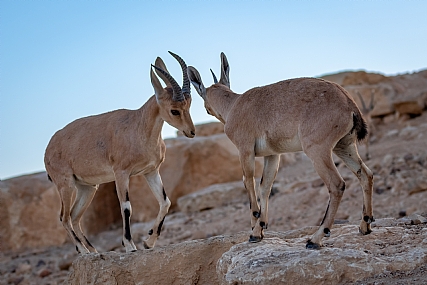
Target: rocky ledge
[(347, 257)]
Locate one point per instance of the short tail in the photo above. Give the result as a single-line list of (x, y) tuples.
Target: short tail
[(359, 124)]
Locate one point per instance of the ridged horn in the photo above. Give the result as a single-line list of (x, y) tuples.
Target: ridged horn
[(186, 89), (214, 77), (177, 92)]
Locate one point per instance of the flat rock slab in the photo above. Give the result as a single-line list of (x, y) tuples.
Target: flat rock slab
[(281, 258), (346, 256)]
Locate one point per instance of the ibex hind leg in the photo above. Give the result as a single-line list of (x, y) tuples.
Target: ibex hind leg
[(325, 167), (155, 182), (348, 153), (83, 199), (66, 193)]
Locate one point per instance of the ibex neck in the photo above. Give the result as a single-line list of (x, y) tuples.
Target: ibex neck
[(151, 122), (221, 99)]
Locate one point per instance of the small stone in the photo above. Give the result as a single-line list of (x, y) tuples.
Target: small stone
[(417, 219), (44, 272)]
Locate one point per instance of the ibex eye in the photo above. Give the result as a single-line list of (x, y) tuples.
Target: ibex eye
[(175, 112)]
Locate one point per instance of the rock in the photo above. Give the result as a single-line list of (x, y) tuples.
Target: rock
[(412, 107), (44, 272), (29, 216), (23, 268), (190, 262), (346, 257), (417, 219), (213, 196)]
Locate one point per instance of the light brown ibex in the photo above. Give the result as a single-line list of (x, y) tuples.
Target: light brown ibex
[(367, 114), (305, 114), (114, 146)]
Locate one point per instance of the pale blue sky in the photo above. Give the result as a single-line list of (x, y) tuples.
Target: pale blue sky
[(61, 60)]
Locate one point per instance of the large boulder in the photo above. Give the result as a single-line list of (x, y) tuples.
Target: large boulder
[(30, 208), (404, 94), (29, 213), (347, 256)]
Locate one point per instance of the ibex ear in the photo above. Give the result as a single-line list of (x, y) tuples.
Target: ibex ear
[(225, 70), (158, 88), (159, 63), (196, 80)]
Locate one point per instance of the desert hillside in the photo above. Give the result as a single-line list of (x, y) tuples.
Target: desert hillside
[(204, 237)]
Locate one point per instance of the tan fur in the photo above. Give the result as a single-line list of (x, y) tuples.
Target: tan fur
[(304, 114), (112, 147)]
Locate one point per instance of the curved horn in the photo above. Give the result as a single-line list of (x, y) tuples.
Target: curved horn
[(186, 82), (214, 77), (362, 101), (177, 92)]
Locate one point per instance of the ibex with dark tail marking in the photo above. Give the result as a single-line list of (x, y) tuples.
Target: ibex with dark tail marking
[(305, 114)]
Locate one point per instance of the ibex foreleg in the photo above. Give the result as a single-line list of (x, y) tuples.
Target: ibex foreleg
[(122, 189), (155, 182)]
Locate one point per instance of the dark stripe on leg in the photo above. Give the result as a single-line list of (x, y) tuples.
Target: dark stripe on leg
[(127, 224), (164, 194), (327, 209), (127, 196), (159, 229), (88, 242)]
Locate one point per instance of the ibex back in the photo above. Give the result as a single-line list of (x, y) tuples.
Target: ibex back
[(114, 146), (305, 114)]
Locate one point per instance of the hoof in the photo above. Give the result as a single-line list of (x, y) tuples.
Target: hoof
[(145, 245), (367, 232), (312, 245), (254, 239)]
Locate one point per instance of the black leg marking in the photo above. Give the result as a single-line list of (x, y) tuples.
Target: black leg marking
[(327, 209), (312, 245), (88, 242), (48, 177), (127, 224), (127, 196), (263, 225), (327, 232), (77, 249), (150, 232), (262, 178), (164, 194), (256, 214), (343, 187), (366, 218), (75, 236), (159, 229)]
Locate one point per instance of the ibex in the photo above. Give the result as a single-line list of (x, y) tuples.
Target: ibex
[(113, 147), (305, 114), (367, 114)]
